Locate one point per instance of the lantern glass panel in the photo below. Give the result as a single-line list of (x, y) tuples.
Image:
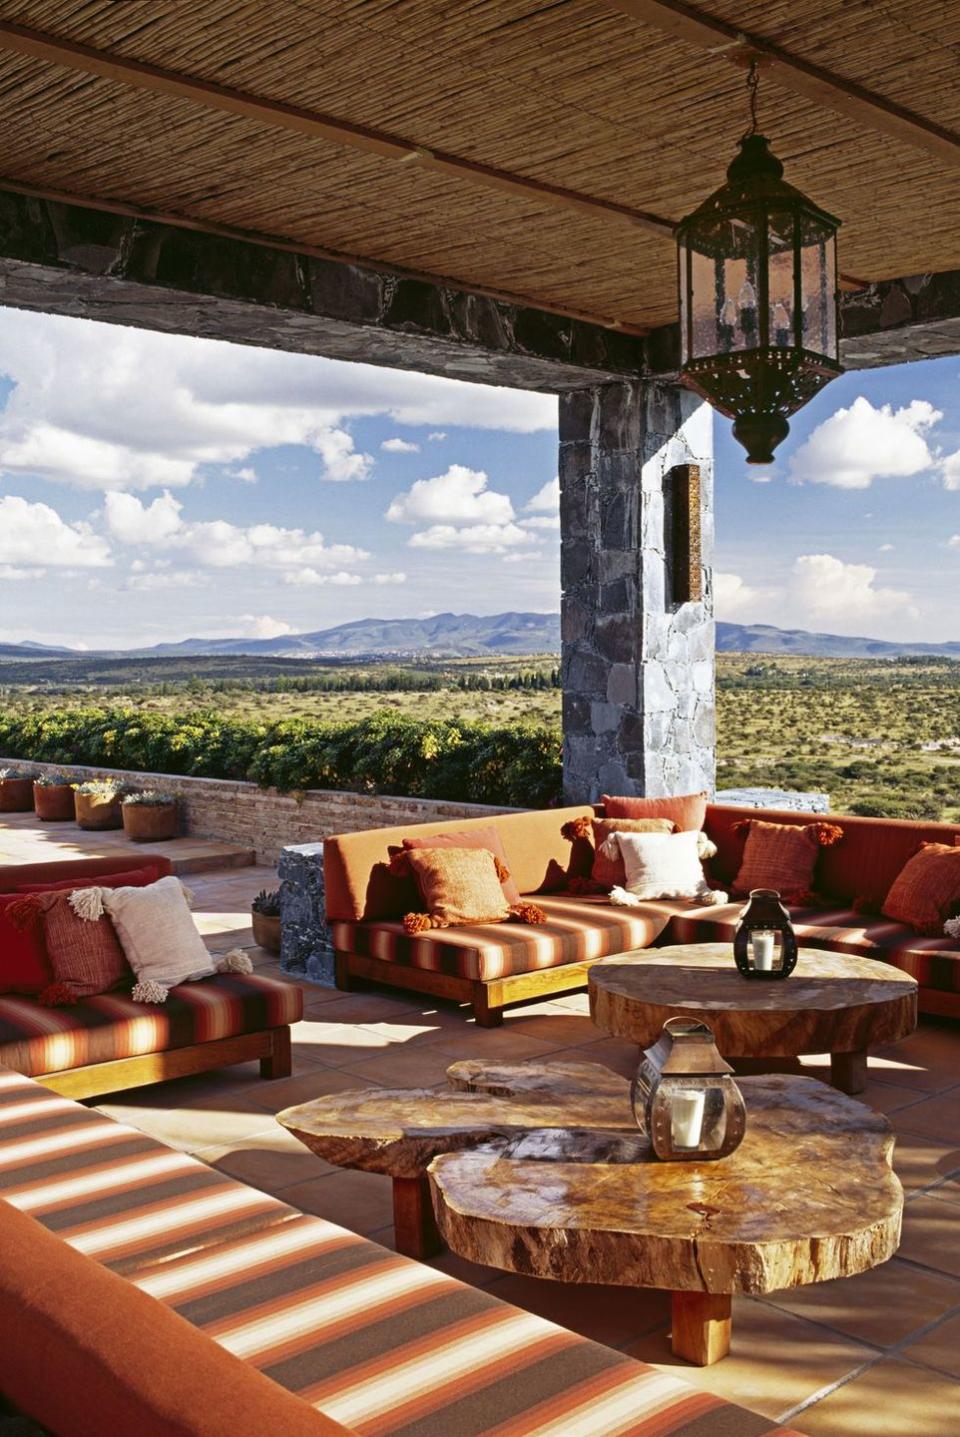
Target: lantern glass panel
[(781, 276), (724, 283), (818, 284), (689, 1116)]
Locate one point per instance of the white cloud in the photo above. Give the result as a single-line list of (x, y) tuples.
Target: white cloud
[(400, 446), (218, 544), (460, 496), (254, 626), (526, 556), (14, 575), (546, 500), (474, 539), (542, 521), (954, 541), (133, 522), (436, 436), (32, 535), (886, 549), (397, 578), (99, 406), (307, 577), (732, 596), (827, 589), (857, 445), (157, 581), (949, 467)]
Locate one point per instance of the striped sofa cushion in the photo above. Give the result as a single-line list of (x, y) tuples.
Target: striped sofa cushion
[(933, 962), (383, 1344), (36, 1040), (576, 928)]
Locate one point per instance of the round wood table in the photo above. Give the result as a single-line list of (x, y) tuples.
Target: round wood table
[(831, 1003), (541, 1170)]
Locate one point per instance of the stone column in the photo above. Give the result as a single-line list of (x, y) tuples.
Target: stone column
[(305, 946), (638, 665)]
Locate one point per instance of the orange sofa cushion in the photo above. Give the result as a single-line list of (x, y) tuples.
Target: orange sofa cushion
[(926, 892), (460, 885), (487, 838), (687, 810), (783, 856), (87, 1353), (14, 875), (354, 864)]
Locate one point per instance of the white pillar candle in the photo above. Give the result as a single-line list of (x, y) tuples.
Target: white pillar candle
[(764, 949), (686, 1118)]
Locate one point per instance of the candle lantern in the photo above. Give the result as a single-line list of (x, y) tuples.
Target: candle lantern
[(758, 297), (765, 945), (684, 1097)]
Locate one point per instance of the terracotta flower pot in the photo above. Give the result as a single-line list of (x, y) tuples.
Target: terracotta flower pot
[(149, 822), (266, 931), (53, 802), (16, 795), (96, 812)]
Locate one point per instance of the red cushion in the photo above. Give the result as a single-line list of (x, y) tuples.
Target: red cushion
[(24, 966), (687, 810), (133, 878), (487, 838)]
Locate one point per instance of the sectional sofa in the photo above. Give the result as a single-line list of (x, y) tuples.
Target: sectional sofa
[(148, 1295), (108, 1042), (494, 965)]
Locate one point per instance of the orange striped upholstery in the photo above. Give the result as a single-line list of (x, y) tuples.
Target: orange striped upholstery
[(576, 928), (386, 1346), (36, 1040)]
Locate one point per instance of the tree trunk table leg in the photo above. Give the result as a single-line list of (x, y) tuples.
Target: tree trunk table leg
[(700, 1326), (414, 1225), (848, 1071)]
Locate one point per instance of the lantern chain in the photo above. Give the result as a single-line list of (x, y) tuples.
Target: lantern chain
[(753, 85)]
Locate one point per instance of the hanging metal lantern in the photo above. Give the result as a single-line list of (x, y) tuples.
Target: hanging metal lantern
[(758, 297), (765, 945), (684, 1096)]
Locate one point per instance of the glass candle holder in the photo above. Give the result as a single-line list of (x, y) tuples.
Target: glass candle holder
[(765, 945), (685, 1098)]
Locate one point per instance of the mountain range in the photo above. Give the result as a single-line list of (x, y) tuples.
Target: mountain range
[(470, 635)]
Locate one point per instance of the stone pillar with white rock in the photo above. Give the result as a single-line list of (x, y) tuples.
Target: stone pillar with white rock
[(636, 515)]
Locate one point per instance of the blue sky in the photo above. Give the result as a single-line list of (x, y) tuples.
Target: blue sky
[(154, 487)]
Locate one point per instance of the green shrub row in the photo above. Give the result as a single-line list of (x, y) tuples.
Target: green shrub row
[(518, 765)]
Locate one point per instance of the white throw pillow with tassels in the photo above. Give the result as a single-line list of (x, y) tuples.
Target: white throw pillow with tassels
[(662, 865), (158, 936)]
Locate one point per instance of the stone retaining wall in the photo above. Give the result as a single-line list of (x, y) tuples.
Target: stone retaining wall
[(266, 820)]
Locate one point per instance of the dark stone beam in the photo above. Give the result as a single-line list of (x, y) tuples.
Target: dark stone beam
[(895, 321), (67, 259)]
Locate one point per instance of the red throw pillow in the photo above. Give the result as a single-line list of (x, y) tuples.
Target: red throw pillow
[(926, 891), (24, 966), (133, 878), (688, 811), (85, 954), (487, 838), (782, 856)]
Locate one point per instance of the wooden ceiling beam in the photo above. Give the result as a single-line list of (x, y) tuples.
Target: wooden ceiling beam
[(875, 112), (73, 56)]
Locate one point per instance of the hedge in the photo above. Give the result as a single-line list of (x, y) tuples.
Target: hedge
[(519, 765)]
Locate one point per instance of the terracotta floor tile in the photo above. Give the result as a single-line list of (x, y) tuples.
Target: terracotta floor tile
[(610, 1052), (270, 1160), (568, 1030), (314, 1082), (920, 1162), (400, 1067), (931, 1224), (501, 1043), (362, 1202), (882, 1307), (464, 1271), (335, 1043), (893, 1398), (888, 1097), (615, 1316), (939, 1349), (776, 1360), (192, 1128), (936, 1117), (361, 1007)]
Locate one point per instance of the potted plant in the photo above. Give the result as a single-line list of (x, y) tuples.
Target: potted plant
[(16, 790), (53, 798), (149, 816), (266, 919), (97, 804)]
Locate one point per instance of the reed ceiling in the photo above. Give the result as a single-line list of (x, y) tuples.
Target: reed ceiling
[(578, 95)]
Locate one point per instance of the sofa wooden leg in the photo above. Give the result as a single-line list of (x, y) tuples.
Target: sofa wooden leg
[(278, 1063), (486, 1016), (341, 972)]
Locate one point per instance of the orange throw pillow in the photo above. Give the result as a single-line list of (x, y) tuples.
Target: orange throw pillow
[(460, 886), (687, 811), (783, 856), (487, 838), (926, 891), (609, 872)]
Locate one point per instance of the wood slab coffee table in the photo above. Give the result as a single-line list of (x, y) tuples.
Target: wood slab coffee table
[(541, 1170), (831, 1003)]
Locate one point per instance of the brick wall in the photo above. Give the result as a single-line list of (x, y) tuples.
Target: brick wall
[(268, 820)]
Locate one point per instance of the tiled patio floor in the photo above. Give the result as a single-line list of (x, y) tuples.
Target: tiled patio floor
[(873, 1356)]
